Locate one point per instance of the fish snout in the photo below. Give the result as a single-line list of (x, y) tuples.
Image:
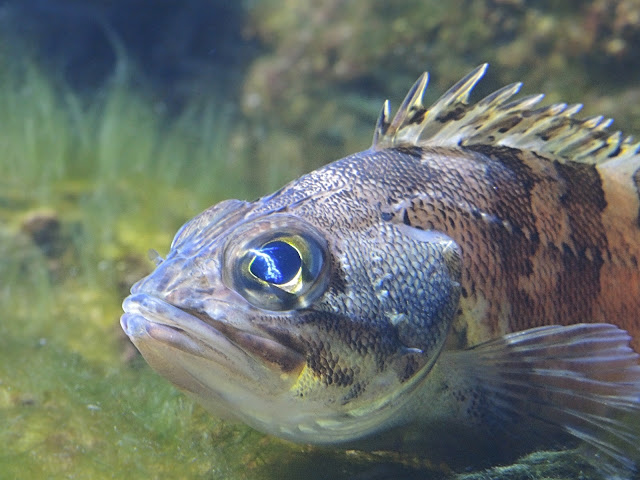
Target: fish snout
[(174, 274)]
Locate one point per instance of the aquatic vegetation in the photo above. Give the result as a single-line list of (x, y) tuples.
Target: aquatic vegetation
[(102, 160), (85, 175)]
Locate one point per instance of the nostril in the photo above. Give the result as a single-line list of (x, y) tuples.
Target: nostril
[(155, 257), (170, 274)]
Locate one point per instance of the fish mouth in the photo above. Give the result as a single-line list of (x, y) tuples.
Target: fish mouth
[(150, 317), (151, 323)]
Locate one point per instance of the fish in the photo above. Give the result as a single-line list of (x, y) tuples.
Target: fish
[(466, 289)]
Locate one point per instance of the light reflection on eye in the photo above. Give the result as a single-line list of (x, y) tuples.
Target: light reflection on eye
[(276, 262)]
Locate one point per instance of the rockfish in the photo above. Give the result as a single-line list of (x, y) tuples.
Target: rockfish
[(465, 288)]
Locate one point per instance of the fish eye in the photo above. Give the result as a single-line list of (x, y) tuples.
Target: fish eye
[(281, 269)]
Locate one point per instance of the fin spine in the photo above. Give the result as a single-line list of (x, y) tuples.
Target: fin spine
[(499, 120)]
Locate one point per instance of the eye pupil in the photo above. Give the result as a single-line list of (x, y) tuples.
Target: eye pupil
[(276, 262)]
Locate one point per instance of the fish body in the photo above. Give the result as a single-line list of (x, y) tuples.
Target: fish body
[(474, 273)]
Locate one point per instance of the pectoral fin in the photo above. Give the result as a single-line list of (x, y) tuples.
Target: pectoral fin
[(584, 379)]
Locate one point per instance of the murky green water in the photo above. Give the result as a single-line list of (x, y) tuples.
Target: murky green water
[(95, 174)]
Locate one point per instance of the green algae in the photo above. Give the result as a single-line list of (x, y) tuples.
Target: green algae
[(64, 415)]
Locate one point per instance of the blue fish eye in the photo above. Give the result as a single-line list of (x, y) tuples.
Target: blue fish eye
[(276, 262)]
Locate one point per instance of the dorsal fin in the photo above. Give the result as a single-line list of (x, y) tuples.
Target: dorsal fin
[(498, 120)]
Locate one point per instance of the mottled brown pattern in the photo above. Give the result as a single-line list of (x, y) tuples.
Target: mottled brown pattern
[(534, 246)]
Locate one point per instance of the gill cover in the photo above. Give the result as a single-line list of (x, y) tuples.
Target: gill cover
[(417, 280)]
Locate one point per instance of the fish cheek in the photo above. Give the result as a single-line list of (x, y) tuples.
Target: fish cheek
[(335, 385), (343, 353), (398, 299)]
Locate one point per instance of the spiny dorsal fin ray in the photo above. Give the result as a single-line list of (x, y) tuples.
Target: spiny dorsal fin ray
[(499, 120)]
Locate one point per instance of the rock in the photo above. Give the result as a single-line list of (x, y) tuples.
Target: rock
[(44, 228)]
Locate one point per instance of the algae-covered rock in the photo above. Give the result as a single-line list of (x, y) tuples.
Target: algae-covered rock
[(43, 227), (547, 465), (324, 53)]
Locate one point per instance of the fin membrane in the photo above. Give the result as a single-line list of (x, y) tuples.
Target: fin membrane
[(498, 120), (582, 378)]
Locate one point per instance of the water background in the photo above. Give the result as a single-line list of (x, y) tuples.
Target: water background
[(120, 120)]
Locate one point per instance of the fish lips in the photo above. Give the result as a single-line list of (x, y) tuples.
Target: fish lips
[(150, 318), (233, 355)]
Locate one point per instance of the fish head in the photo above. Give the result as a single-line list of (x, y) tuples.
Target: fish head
[(308, 329)]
